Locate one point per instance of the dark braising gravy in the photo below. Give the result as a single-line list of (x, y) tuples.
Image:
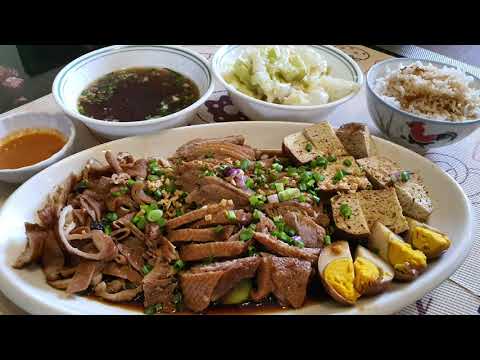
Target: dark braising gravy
[(137, 94)]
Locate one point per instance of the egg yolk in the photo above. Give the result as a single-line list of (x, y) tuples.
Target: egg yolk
[(366, 274), (403, 258), (429, 242), (340, 276)]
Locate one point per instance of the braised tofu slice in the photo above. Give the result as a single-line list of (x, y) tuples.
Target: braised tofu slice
[(348, 215), (298, 146), (324, 139), (379, 170), (343, 174), (356, 139), (414, 198), (383, 206)]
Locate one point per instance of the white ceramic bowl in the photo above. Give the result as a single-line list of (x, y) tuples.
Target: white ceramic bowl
[(342, 66), (80, 73), (18, 122), (410, 130)]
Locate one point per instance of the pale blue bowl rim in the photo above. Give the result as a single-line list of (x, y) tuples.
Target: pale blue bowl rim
[(406, 113)]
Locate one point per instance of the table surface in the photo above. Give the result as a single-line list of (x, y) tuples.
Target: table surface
[(460, 294)]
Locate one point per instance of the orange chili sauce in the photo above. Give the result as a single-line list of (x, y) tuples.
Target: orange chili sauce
[(29, 146)]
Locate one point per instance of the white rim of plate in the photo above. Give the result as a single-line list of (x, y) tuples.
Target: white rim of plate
[(7, 279)]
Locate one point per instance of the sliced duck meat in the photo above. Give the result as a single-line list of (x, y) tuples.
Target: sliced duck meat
[(83, 276), (290, 278), (122, 272), (138, 194), (264, 279), (113, 162), (61, 284), (283, 249), (311, 233), (123, 201), (133, 254), (188, 146), (168, 251), (197, 288), (91, 206), (234, 271), (201, 235), (287, 278), (33, 251), (47, 216), (199, 214), (220, 218), (187, 174), (213, 189), (53, 259), (223, 249), (281, 208), (159, 287), (215, 150), (265, 225), (205, 283), (138, 170), (121, 296)]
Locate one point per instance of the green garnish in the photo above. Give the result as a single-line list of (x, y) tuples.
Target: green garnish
[(230, 214), (111, 217), (252, 250), (257, 215), (82, 185), (218, 229), (179, 265), (320, 161), (309, 147), (208, 173), (289, 194), (161, 222), (318, 177), (237, 163), (291, 171), (277, 167), (244, 164), (405, 176), (116, 194), (154, 215), (302, 198), (257, 200), (130, 182), (139, 222), (158, 194), (151, 310), (278, 187), (146, 269), (347, 162), (345, 211), (178, 212), (331, 158), (339, 175), (108, 229), (153, 177), (209, 155), (327, 240), (249, 183), (246, 234)]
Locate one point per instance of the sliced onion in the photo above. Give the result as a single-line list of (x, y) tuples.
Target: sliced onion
[(273, 198), (233, 172), (297, 238)]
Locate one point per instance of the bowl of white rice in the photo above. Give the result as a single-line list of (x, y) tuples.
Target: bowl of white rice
[(423, 104)]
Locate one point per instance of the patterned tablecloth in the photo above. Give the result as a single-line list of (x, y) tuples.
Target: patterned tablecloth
[(458, 295)]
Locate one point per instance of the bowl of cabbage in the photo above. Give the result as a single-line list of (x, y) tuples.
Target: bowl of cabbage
[(301, 83)]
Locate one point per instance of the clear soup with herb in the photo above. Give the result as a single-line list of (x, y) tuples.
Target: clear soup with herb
[(137, 94)]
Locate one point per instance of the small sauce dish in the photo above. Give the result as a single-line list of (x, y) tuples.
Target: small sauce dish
[(30, 143)]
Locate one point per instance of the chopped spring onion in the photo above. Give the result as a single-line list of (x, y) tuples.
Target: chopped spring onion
[(339, 175), (153, 177), (278, 187), (111, 217), (277, 167), (246, 234), (257, 215), (331, 158), (179, 265), (345, 211), (249, 183), (257, 200), (289, 194), (347, 162), (230, 214), (405, 176), (318, 177), (130, 182), (146, 269), (154, 215), (327, 240), (244, 164), (218, 229), (309, 147), (107, 229)]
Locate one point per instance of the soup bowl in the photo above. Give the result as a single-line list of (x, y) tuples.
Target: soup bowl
[(18, 122), (80, 73)]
